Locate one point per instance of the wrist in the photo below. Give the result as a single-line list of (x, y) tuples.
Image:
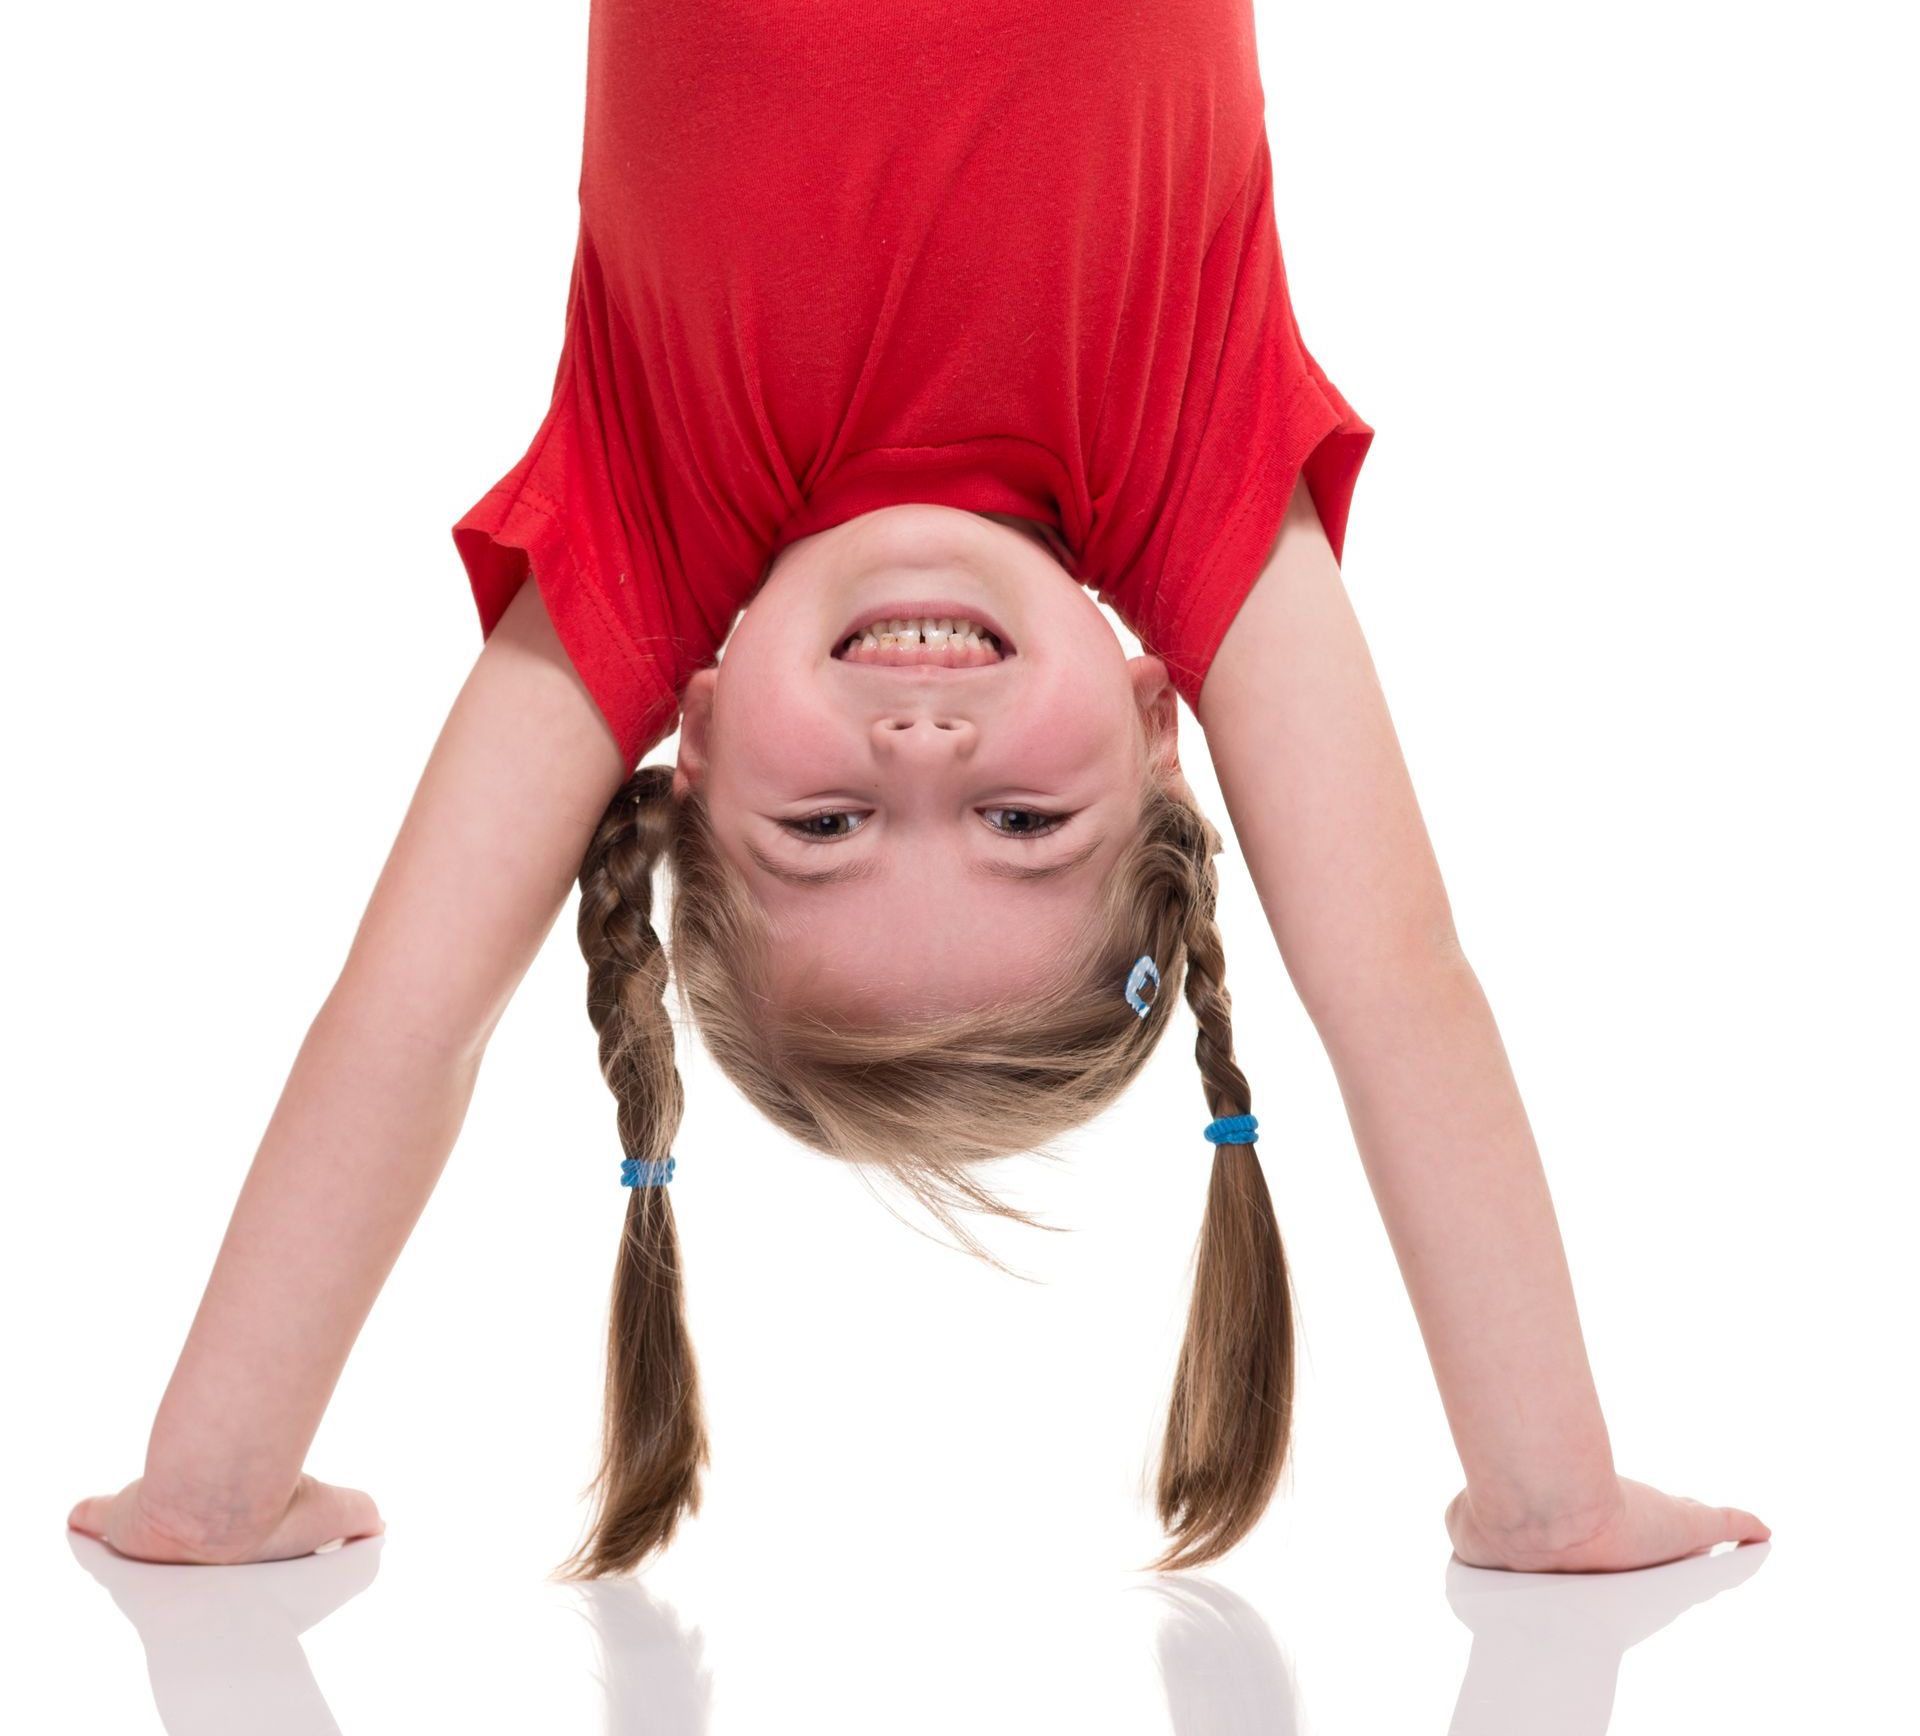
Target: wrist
[(212, 1512), (1545, 1521)]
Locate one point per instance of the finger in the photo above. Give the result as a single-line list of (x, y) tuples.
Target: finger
[(1710, 1525), (90, 1515), (341, 1514)]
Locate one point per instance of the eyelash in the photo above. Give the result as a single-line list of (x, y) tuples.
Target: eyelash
[(1051, 823)]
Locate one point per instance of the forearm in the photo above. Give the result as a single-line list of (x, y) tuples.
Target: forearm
[(1453, 1166), (486, 858), (350, 1155), (1324, 809)]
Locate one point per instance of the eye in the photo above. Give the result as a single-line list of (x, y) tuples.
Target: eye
[(826, 827), (1022, 822)]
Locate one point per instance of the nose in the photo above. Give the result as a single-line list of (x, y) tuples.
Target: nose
[(928, 740)]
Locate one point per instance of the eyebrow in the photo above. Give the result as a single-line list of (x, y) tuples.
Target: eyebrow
[(868, 868)]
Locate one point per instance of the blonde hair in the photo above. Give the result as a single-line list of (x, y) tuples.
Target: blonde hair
[(992, 1081)]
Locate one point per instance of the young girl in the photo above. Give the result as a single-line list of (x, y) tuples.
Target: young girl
[(894, 336)]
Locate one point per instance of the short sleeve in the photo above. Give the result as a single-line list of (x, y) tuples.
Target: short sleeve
[(1260, 415), (576, 513)]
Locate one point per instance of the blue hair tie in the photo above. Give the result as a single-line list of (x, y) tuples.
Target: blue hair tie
[(638, 1172), (1144, 971), (1233, 1130)]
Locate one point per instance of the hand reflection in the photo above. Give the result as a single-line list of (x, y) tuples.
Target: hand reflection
[(1547, 1646), (223, 1643)]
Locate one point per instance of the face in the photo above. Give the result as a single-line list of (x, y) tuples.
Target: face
[(927, 819)]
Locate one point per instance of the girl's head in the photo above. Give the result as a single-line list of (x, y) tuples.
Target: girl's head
[(948, 985), (923, 819)]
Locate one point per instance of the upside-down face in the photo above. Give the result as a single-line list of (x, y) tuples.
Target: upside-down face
[(924, 749)]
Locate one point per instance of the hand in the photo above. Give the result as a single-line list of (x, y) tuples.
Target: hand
[(1640, 1528), (317, 1516)]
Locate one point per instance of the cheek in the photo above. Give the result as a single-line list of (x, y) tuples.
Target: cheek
[(1076, 720), (771, 732)]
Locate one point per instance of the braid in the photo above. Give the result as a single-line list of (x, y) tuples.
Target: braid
[(1206, 988), (1230, 1418), (654, 1440), (627, 964)]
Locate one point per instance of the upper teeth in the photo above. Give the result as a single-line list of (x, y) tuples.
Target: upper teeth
[(921, 630)]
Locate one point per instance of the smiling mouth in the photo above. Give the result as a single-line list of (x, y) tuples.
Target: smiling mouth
[(923, 642)]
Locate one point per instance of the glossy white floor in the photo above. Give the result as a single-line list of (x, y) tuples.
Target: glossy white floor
[(286, 1648), (951, 1562)]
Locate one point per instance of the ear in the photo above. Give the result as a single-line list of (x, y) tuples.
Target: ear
[(1159, 707), (696, 721)]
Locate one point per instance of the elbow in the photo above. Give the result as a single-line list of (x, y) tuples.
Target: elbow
[(1439, 948), (1359, 986)]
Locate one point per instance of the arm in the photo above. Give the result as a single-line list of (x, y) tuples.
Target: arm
[(1323, 808), (484, 860)]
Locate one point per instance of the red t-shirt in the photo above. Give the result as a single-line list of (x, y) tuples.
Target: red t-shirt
[(1014, 256)]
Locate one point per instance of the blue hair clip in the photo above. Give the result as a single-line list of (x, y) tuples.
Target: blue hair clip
[(1233, 1130), (638, 1172), (1144, 971)]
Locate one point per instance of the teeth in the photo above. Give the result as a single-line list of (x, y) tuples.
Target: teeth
[(932, 631)]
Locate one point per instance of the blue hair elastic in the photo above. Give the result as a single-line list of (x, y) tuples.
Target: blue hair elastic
[(1144, 971), (1233, 1130), (638, 1172)]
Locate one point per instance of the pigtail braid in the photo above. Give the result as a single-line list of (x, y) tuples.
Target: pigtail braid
[(1230, 1419), (654, 1437)]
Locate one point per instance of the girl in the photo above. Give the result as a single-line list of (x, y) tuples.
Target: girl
[(894, 335)]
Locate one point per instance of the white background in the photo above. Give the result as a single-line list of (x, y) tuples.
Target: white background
[(1625, 292)]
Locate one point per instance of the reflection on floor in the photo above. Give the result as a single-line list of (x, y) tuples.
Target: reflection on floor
[(224, 1654)]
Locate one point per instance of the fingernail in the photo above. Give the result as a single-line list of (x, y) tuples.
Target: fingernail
[(325, 1547)]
